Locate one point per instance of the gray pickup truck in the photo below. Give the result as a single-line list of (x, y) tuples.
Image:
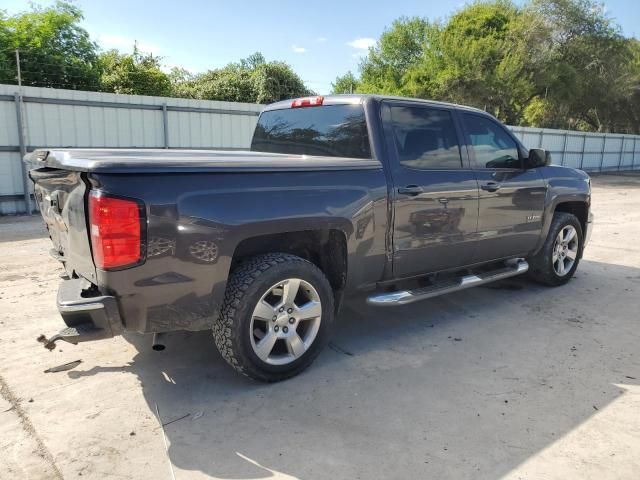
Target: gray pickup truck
[(400, 199)]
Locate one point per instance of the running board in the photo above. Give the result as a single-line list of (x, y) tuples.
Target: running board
[(403, 297)]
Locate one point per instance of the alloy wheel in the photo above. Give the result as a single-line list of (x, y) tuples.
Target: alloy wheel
[(285, 322), (565, 250)]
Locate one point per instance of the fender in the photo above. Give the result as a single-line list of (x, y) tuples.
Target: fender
[(563, 185)]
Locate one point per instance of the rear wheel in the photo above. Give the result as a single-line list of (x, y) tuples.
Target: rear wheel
[(276, 316), (558, 259)]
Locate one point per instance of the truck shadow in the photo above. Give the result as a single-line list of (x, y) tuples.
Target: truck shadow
[(468, 385)]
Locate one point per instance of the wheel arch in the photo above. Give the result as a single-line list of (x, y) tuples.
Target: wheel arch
[(578, 208), (577, 204), (325, 248)]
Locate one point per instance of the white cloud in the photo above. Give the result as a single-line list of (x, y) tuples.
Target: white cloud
[(362, 43), (321, 39), (125, 44), (298, 49)]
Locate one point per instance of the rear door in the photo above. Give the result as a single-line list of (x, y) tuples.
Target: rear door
[(435, 197), (511, 198)]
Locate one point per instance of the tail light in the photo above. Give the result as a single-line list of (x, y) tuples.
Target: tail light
[(116, 230), (307, 102)]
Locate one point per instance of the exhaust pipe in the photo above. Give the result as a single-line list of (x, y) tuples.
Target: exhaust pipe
[(158, 342)]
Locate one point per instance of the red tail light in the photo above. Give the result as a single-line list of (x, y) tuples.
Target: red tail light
[(307, 102), (116, 226)]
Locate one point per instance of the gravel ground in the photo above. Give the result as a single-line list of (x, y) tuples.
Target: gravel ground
[(508, 381)]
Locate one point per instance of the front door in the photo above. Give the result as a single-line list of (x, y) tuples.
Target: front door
[(511, 198), (435, 196)]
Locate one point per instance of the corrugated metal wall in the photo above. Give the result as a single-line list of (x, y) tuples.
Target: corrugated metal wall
[(593, 152), (69, 118)]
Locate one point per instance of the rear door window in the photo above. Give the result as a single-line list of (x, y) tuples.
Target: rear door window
[(329, 130), (425, 138)]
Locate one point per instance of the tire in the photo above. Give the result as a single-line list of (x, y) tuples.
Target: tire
[(254, 287), (544, 266)]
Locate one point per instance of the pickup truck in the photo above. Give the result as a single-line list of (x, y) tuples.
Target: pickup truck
[(395, 199)]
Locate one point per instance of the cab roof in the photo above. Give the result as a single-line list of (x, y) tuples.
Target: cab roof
[(358, 98)]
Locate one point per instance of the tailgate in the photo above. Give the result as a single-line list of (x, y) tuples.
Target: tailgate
[(61, 197)]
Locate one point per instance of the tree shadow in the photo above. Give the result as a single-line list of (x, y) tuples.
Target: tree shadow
[(468, 385)]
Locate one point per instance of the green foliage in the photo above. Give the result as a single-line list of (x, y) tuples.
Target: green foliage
[(252, 80), (56, 51), (399, 49), (347, 83), (134, 74), (548, 63)]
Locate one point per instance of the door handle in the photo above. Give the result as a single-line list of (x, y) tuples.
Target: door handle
[(410, 190), (490, 187)]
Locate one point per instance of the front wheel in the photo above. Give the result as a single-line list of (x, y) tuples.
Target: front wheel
[(558, 259), (276, 316)]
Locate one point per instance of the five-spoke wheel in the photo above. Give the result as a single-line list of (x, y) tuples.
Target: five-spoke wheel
[(556, 262), (565, 250), (276, 316), (285, 321)]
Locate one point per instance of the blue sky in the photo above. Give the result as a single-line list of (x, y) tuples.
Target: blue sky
[(320, 40)]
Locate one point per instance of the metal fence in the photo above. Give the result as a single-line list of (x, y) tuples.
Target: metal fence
[(593, 152), (32, 117)]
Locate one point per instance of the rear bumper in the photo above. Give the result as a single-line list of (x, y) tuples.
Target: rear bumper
[(78, 308), (588, 229)]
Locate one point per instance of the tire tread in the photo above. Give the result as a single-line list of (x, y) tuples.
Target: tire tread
[(227, 336), (540, 264)]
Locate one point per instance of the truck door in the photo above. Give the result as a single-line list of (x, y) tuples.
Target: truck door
[(511, 198), (435, 195)]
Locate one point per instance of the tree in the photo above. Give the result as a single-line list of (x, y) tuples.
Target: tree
[(590, 65), (54, 50), (252, 80), (347, 83), (135, 74), (547, 63), (478, 58), (398, 50)]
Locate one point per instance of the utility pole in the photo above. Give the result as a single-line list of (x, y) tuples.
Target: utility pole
[(18, 66)]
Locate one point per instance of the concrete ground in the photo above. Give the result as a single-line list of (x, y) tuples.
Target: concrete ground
[(511, 381)]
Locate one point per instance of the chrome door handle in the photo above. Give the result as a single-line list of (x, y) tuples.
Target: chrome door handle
[(410, 190), (490, 187)]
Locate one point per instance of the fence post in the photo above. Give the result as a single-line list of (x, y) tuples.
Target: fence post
[(165, 125), (633, 158), (23, 151), (541, 136), (584, 146), (604, 143), (621, 153), (564, 147)]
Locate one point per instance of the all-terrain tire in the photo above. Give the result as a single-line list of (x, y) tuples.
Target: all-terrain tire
[(541, 265), (245, 287)]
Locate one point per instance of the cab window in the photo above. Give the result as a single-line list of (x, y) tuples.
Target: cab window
[(491, 144), (425, 138)]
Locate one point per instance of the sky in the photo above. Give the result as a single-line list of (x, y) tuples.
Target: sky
[(320, 40)]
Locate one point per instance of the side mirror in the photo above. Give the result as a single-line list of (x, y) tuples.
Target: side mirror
[(538, 158)]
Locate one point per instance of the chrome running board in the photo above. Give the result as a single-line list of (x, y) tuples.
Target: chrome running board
[(403, 297)]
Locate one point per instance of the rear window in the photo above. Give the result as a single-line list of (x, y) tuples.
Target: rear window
[(330, 130)]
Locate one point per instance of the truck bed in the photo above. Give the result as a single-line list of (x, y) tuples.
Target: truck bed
[(179, 160)]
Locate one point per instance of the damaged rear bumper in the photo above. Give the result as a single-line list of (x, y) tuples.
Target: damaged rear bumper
[(88, 316)]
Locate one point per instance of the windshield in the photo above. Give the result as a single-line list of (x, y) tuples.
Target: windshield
[(330, 130)]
